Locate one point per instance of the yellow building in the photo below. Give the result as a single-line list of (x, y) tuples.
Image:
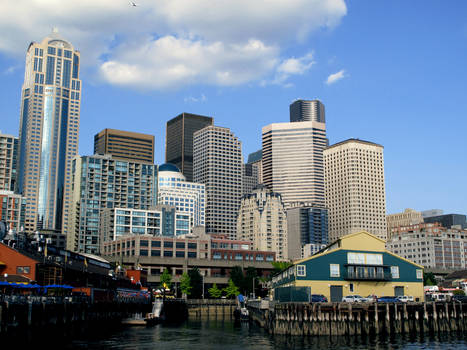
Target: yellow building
[(355, 264)]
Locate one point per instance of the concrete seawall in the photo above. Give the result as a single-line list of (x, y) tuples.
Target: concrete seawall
[(210, 307), (359, 319)]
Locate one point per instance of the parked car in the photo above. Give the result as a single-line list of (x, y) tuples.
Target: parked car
[(371, 298), (353, 299), (388, 299), (318, 298), (405, 298)]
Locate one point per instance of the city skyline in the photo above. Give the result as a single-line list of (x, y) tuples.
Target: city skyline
[(387, 86)]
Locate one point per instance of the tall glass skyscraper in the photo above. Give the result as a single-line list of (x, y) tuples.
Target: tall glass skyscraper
[(48, 131), (307, 111), (179, 140)]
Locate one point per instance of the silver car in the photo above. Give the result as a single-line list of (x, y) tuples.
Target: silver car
[(353, 299)]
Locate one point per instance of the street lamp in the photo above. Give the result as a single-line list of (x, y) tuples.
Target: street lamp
[(202, 277)]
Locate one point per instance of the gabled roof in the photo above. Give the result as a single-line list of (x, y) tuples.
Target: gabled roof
[(353, 241)]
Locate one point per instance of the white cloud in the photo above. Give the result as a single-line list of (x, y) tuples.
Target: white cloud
[(226, 42), (292, 66), (192, 99), (332, 78)]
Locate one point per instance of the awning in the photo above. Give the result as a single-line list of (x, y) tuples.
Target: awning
[(2, 263)]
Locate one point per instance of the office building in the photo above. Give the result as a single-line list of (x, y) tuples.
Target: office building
[(430, 245), (163, 220), (217, 163), (448, 220), (250, 178), (256, 160), (101, 182), (355, 188), (179, 140), (125, 145), (187, 197), (262, 220), (8, 162), (307, 228), (307, 111), (432, 212), (49, 131), (293, 161), (406, 218), (12, 209)]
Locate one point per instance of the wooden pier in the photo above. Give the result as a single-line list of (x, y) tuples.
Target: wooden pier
[(318, 319)]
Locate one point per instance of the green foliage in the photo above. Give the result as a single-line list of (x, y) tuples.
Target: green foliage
[(231, 290), (237, 277), (280, 265), (166, 279), (458, 292), (196, 282), (429, 279), (185, 284), (215, 292)]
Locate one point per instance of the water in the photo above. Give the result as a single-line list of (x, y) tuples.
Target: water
[(221, 334)]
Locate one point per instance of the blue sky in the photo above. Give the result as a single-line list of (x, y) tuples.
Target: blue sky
[(399, 68)]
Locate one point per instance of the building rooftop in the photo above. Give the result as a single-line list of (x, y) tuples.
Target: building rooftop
[(354, 140), (169, 167)]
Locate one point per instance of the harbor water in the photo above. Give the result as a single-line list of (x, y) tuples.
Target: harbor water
[(205, 334)]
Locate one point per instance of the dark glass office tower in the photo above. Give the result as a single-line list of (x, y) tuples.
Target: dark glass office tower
[(179, 140), (307, 111)]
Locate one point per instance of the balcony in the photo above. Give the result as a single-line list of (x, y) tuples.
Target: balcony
[(367, 273)]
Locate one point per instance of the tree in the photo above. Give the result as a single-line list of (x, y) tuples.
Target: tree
[(237, 277), (215, 292), (196, 282), (166, 279), (185, 284), (280, 265), (231, 290), (429, 279), (458, 292)]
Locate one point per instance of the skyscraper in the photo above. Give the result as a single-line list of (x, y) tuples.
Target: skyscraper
[(179, 140), (217, 163), (125, 145), (49, 130), (293, 161), (307, 111), (8, 161), (187, 197), (262, 220), (99, 183), (355, 189), (307, 227)]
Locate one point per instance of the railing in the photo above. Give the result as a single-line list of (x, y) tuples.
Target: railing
[(353, 275)]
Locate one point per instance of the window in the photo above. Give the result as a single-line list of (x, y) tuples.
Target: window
[(155, 244), (143, 252), (301, 270), (395, 271), (155, 253), (180, 254), (334, 270), (419, 274), (355, 258), (351, 287)]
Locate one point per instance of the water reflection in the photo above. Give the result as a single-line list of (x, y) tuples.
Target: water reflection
[(206, 334)]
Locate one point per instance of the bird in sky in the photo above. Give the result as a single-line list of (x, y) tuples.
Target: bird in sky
[(132, 3)]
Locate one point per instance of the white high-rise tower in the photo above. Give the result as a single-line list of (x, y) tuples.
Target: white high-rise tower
[(49, 131)]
